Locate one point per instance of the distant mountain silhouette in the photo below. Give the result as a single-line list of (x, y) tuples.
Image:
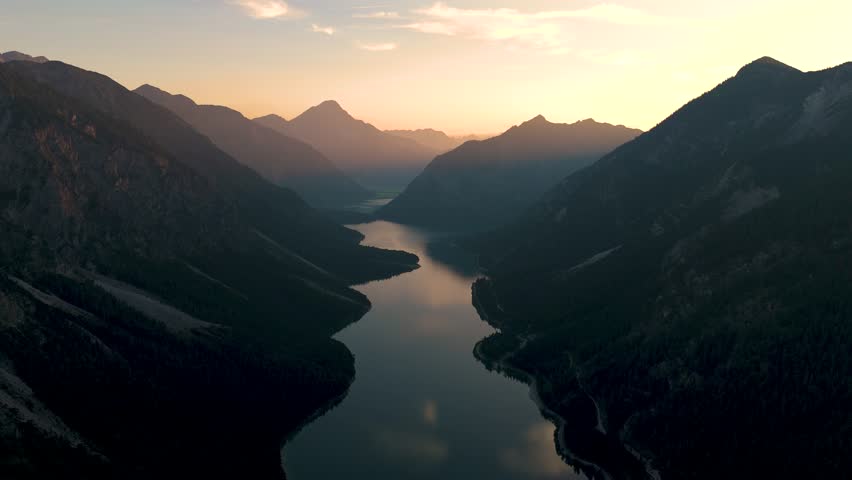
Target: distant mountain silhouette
[(376, 159), (484, 184), (281, 159), (693, 277), (165, 312), (278, 212), (20, 57), (436, 140), (475, 136)]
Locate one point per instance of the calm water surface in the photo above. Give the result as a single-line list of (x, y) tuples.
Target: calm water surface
[(369, 206), (422, 407)]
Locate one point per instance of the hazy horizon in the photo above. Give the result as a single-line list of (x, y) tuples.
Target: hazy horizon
[(460, 66)]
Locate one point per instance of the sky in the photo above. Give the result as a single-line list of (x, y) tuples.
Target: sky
[(462, 66)]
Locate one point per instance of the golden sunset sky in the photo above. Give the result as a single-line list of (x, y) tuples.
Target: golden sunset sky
[(463, 66)]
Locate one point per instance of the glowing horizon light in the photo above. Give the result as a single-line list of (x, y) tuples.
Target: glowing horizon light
[(459, 66)]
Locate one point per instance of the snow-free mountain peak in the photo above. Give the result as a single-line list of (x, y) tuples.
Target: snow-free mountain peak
[(14, 56), (767, 65)]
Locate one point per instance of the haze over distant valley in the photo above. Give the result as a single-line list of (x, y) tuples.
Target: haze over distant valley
[(376, 159), (281, 159)]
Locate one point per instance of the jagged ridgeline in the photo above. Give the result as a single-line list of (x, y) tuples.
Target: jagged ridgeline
[(164, 311), (696, 282)]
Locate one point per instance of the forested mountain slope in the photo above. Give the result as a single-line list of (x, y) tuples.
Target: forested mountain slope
[(152, 324), (276, 212), (486, 184), (696, 283)]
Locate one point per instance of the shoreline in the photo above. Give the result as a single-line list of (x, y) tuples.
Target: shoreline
[(548, 413), (504, 366), (330, 405)]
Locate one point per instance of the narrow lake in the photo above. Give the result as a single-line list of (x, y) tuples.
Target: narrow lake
[(421, 406)]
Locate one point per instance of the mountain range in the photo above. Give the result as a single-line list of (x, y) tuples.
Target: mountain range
[(484, 184), (678, 299), (164, 310), (280, 159), (274, 210), (375, 159), (436, 140), (692, 287)]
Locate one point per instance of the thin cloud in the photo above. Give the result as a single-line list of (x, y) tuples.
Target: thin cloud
[(267, 9), (378, 15), (609, 13), (371, 7), (378, 47), (546, 30), (324, 30), (606, 12), (625, 58), (436, 28)]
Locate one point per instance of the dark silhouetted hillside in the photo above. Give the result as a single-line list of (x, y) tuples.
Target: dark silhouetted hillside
[(280, 159), (376, 159), (484, 184), (164, 311), (696, 283)]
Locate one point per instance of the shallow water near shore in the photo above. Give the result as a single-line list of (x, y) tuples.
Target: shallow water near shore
[(422, 406)]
